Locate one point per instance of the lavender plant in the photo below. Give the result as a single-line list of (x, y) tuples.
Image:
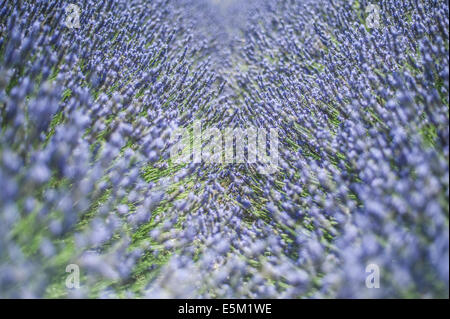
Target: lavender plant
[(88, 105)]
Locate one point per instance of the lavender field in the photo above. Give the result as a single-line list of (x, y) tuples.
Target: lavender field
[(93, 203)]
